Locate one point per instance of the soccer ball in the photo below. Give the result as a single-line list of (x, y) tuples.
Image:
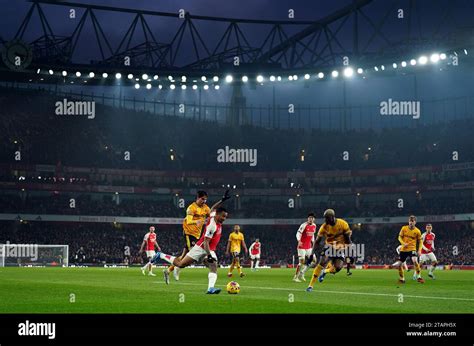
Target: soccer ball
[(233, 287)]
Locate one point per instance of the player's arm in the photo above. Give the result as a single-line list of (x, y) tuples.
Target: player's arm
[(419, 243), (347, 235), (227, 249), (299, 233), (205, 246), (157, 246), (400, 238), (224, 198), (251, 247), (244, 246), (423, 241), (143, 245)]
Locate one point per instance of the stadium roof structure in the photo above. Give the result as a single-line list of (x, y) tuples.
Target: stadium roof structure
[(362, 34)]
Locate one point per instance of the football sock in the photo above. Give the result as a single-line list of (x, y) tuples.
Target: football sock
[(400, 272), (170, 268), (168, 258), (330, 269), (257, 263), (418, 268), (316, 273), (231, 269), (348, 268), (212, 279), (251, 264), (297, 269), (305, 268), (239, 269)]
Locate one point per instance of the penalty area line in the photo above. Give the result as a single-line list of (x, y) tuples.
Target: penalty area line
[(338, 292)]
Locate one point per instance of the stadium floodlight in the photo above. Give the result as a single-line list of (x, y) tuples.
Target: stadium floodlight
[(206, 87), (442, 56), (465, 51), (105, 75), (118, 75), (245, 79), (295, 77), (404, 64), (195, 86), (376, 68), (306, 76), (434, 58), (229, 78), (91, 74), (148, 86), (172, 86), (394, 65), (38, 71), (290, 77), (203, 78), (215, 79), (217, 87), (412, 62), (160, 86), (64, 73), (183, 79), (155, 77), (382, 67), (130, 76), (320, 75), (183, 87), (335, 74), (260, 78), (422, 60), (144, 76), (137, 86), (272, 78), (78, 74), (50, 72), (348, 72), (170, 78), (360, 70), (279, 78)]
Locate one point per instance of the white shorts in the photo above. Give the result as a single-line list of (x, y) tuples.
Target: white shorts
[(428, 257), (197, 253), (150, 253), (255, 256), (303, 253)]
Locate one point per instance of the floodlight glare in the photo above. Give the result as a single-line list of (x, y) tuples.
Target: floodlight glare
[(434, 58), (335, 74), (360, 70), (279, 78), (78, 74), (137, 86), (144, 76), (216, 87), (91, 74), (183, 86), (320, 75), (206, 87), (203, 78), (105, 75), (130, 76), (195, 87), (148, 86), (229, 78), (348, 72), (412, 62), (404, 64), (376, 68), (306, 76), (295, 77), (442, 56), (155, 77), (422, 60), (118, 75), (394, 65), (50, 72), (260, 78), (64, 73), (215, 79), (172, 86), (290, 77), (245, 79)]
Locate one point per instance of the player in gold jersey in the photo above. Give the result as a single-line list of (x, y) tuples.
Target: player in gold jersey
[(337, 236), (196, 215), (410, 240), (236, 241)]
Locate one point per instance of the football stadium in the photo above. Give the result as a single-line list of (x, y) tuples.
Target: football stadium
[(253, 158)]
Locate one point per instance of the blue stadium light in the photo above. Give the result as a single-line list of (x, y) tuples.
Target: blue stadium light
[(50, 72), (306, 76), (290, 77), (382, 67), (203, 78), (144, 76), (423, 60), (172, 86), (217, 87), (229, 78), (260, 78), (272, 78), (245, 79), (334, 74), (404, 64), (348, 72), (160, 86), (137, 86), (130, 76), (155, 77), (434, 58), (295, 77), (360, 70), (320, 75), (394, 65), (279, 78), (170, 78), (91, 74), (215, 79), (64, 73), (195, 87), (148, 86), (465, 51), (206, 87), (412, 62), (118, 75), (78, 74), (376, 68), (183, 87), (442, 56)]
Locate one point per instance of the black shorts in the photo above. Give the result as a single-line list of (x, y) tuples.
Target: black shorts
[(189, 241), (333, 254), (405, 254)]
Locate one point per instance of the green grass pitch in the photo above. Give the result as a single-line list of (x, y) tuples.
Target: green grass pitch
[(106, 290)]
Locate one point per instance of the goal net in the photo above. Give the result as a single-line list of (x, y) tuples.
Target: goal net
[(34, 255)]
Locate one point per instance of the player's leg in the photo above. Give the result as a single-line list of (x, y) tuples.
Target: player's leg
[(212, 276), (417, 265), (305, 266), (323, 260), (252, 261), (299, 266), (238, 265), (433, 264), (257, 262), (232, 265), (348, 266), (400, 266)]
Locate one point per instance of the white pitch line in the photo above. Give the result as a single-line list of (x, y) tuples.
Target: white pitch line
[(340, 292)]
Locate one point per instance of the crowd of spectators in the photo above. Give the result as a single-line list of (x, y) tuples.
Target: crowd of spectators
[(106, 243)]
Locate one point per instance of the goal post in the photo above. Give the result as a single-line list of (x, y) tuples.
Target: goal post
[(20, 255)]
